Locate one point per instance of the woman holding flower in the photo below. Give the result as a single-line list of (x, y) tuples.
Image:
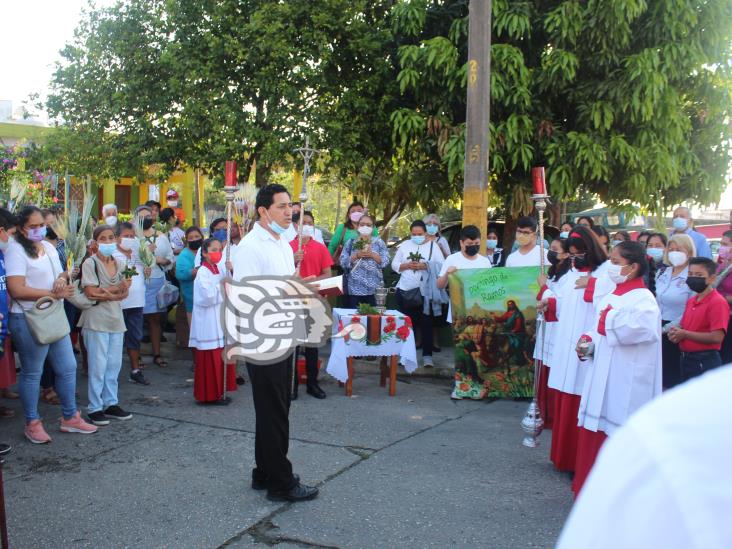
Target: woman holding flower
[(363, 260)]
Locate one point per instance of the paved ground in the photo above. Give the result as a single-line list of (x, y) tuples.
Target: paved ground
[(416, 470)]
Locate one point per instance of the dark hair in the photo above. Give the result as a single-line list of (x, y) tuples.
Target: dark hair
[(526, 222), (662, 236), (469, 232), (123, 226), (709, 265), (265, 196), (555, 272), (624, 234), (418, 223), (46, 211), (142, 207), (20, 238), (728, 234), (151, 203), (167, 213), (99, 229), (644, 232), (207, 244), (349, 223), (635, 252), (371, 217), (193, 229), (601, 231), (308, 213), (586, 241), (216, 222), (7, 219), (587, 218), (567, 222)]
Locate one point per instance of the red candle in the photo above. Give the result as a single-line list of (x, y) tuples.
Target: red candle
[(230, 174), (537, 176)]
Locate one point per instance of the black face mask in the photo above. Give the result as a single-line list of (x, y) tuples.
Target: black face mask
[(147, 223), (296, 218), (697, 283), (472, 250), (552, 257), (580, 262), (195, 244)]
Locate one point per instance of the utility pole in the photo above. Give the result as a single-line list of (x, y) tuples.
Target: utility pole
[(477, 138)]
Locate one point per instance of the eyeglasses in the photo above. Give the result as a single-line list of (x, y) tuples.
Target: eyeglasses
[(525, 231)]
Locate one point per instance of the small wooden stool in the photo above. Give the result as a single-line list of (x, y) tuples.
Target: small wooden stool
[(392, 373)]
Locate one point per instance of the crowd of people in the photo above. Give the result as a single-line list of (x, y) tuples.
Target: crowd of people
[(658, 306)]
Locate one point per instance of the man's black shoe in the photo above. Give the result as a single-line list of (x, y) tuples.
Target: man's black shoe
[(299, 492), (5, 448), (258, 483), (315, 390)]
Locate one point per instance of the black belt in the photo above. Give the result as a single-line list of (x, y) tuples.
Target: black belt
[(700, 354)]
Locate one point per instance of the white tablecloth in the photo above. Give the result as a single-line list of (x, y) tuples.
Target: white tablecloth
[(397, 339)]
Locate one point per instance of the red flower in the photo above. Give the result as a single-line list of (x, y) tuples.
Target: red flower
[(403, 332), (389, 329), (458, 377), (464, 387), (355, 319), (407, 321), (390, 320)]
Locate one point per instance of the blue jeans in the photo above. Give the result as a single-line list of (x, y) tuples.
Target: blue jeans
[(32, 356), (104, 355)]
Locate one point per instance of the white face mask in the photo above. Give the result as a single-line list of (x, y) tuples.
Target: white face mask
[(173, 203), (129, 244), (308, 230), (677, 258), (110, 220), (613, 272), (365, 230)]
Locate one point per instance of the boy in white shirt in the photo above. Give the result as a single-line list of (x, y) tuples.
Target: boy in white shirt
[(466, 258), (528, 254)]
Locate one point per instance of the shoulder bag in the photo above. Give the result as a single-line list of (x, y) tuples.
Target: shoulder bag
[(47, 320), (413, 298)]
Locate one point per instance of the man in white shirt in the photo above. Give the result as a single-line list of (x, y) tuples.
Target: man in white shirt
[(265, 251), (528, 253), (466, 258), (291, 232), (663, 479)]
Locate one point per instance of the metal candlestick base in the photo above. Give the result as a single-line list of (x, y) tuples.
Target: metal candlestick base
[(532, 424)]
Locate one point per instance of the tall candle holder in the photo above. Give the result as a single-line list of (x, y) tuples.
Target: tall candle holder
[(533, 423)]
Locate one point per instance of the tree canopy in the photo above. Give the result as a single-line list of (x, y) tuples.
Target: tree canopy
[(628, 100)]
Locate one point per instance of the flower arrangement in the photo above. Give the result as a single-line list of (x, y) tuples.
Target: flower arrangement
[(415, 256), (244, 211), (366, 309)]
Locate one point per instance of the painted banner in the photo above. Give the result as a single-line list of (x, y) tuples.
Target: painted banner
[(494, 326)]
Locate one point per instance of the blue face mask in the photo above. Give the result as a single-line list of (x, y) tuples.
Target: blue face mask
[(491, 243), (680, 224), (432, 229), (564, 234), (274, 227), (655, 253), (219, 234), (418, 240), (107, 249)]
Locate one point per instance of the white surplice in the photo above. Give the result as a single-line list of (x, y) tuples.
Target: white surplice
[(544, 351), (576, 317), (206, 330), (625, 371)]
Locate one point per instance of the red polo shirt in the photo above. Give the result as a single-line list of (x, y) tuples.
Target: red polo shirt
[(708, 315), (316, 257)]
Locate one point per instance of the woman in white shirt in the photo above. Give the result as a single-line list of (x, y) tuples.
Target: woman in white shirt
[(432, 225), (34, 271), (160, 246), (672, 293), (411, 262)]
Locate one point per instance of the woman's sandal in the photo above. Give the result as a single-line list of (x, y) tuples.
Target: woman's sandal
[(159, 362), (49, 396)]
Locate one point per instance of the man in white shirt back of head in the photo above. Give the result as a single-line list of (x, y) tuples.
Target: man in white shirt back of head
[(663, 479), (528, 253), (265, 251)]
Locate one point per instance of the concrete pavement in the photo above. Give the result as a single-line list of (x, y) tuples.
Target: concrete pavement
[(416, 470)]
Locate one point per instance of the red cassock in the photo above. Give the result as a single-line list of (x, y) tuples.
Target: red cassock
[(565, 431), (588, 446), (208, 375)]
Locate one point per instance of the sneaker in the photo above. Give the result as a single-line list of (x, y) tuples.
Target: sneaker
[(35, 432), (138, 377), (115, 412), (427, 362), (77, 425), (455, 396), (98, 418)]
